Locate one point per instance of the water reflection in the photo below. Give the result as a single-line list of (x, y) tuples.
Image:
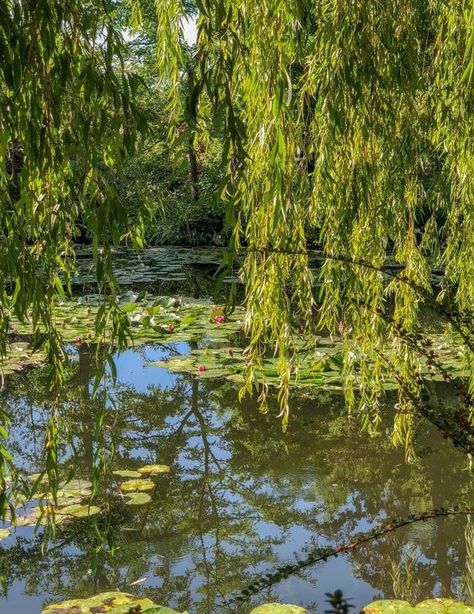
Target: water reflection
[(242, 497)]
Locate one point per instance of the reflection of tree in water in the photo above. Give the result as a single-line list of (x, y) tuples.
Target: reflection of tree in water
[(238, 489)]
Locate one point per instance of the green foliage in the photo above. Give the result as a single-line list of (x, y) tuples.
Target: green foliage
[(351, 124), (179, 185), (345, 124), (111, 602), (68, 122), (157, 181), (278, 608), (430, 606)]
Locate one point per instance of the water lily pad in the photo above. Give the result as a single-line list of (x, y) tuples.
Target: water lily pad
[(154, 469), (4, 533), (430, 606), (78, 510), (111, 602), (65, 499), (29, 519), (138, 498), (33, 477), (134, 485), (159, 609), (76, 484), (127, 473), (279, 608)]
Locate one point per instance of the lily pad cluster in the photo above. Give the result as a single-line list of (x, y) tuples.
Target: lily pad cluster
[(152, 265), (138, 482), (110, 602), (322, 367), (73, 498), (124, 603), (152, 319), (279, 608), (167, 320), (72, 502), (430, 606), (318, 365)]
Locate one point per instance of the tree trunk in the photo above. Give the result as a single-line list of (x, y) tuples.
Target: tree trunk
[(193, 169)]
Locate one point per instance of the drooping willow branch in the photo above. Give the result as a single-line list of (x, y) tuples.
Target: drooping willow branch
[(450, 316)]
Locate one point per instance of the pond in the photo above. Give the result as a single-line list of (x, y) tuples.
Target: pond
[(241, 498)]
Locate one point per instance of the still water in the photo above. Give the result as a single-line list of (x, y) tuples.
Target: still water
[(242, 498)]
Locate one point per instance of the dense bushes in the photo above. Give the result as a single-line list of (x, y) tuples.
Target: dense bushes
[(162, 182)]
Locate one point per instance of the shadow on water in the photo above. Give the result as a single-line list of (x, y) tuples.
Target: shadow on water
[(241, 499)]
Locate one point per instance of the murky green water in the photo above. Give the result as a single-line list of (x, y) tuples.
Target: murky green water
[(242, 498)]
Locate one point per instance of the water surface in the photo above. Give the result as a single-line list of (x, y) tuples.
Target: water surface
[(242, 497)]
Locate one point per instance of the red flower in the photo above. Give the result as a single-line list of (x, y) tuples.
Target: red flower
[(171, 327), (201, 368), (219, 319)]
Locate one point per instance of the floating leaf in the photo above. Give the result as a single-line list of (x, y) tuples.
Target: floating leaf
[(133, 485), (29, 519), (79, 511), (66, 499), (430, 606), (127, 473), (33, 477), (4, 533), (137, 498), (154, 469), (111, 602), (279, 608)]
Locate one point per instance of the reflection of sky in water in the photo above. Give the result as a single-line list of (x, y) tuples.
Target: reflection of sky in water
[(267, 500)]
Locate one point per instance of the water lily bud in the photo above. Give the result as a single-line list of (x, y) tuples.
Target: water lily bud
[(201, 368), (171, 327)]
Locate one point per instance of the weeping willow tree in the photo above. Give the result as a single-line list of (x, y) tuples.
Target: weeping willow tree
[(67, 123), (348, 125)]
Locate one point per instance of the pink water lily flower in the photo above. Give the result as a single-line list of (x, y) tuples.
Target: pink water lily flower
[(219, 319), (201, 368)]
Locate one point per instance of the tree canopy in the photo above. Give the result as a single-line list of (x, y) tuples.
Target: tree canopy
[(68, 122), (345, 125), (348, 126)]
